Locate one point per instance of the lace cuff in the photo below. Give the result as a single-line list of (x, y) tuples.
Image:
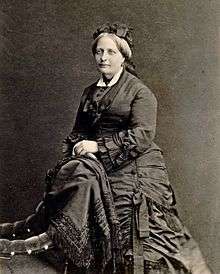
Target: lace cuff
[(70, 141)]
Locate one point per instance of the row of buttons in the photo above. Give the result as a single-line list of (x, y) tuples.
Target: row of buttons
[(134, 172)]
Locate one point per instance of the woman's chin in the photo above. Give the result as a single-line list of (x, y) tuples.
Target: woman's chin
[(106, 73), (104, 70)]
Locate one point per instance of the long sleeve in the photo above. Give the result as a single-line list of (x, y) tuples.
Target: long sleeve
[(127, 144), (80, 129)]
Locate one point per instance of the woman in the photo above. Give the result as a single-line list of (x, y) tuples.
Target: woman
[(116, 121), (115, 126)]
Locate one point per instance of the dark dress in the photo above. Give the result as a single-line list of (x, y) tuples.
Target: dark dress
[(122, 119), (114, 213)]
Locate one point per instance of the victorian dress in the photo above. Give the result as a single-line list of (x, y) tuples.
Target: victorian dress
[(133, 205), (121, 118)]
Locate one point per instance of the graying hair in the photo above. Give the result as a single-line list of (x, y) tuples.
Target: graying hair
[(121, 44)]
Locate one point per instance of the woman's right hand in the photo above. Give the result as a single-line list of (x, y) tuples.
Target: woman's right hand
[(85, 146)]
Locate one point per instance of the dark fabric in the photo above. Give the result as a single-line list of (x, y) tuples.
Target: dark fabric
[(123, 122), (128, 192), (122, 130), (83, 219)]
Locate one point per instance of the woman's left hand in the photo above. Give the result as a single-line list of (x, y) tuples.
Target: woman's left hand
[(85, 146)]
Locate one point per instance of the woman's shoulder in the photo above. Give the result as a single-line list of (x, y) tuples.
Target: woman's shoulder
[(88, 90), (138, 86), (127, 81)]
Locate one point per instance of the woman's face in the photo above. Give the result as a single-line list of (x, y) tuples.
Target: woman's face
[(108, 58)]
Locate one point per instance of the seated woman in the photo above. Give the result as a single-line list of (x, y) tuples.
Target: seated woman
[(112, 143)]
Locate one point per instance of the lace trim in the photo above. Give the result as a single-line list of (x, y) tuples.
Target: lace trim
[(74, 242)]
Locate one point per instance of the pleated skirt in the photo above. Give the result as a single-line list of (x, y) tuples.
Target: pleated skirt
[(166, 248)]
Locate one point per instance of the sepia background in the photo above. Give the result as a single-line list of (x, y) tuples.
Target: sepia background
[(46, 62)]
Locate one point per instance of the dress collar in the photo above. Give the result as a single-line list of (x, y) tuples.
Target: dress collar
[(113, 81)]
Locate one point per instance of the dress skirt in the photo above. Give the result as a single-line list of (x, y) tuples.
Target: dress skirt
[(115, 220), (154, 239)]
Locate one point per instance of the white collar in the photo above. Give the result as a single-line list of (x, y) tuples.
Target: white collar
[(114, 80)]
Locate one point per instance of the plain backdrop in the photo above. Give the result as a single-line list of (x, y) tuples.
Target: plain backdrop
[(46, 62)]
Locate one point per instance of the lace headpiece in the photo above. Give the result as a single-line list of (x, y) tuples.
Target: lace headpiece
[(121, 30)]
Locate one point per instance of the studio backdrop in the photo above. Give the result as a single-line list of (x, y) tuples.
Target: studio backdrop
[(46, 62)]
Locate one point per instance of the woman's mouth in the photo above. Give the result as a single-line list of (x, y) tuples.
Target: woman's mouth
[(104, 65)]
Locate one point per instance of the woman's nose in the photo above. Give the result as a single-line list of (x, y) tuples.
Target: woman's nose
[(104, 56)]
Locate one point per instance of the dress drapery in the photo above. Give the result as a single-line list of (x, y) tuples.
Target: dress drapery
[(122, 119), (118, 211), (79, 218)]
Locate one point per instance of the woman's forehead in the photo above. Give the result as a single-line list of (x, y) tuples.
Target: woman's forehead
[(106, 42)]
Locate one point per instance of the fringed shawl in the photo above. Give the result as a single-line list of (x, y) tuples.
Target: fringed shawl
[(83, 223), (78, 215)]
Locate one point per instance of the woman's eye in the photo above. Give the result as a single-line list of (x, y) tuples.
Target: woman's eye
[(111, 51), (98, 51)]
